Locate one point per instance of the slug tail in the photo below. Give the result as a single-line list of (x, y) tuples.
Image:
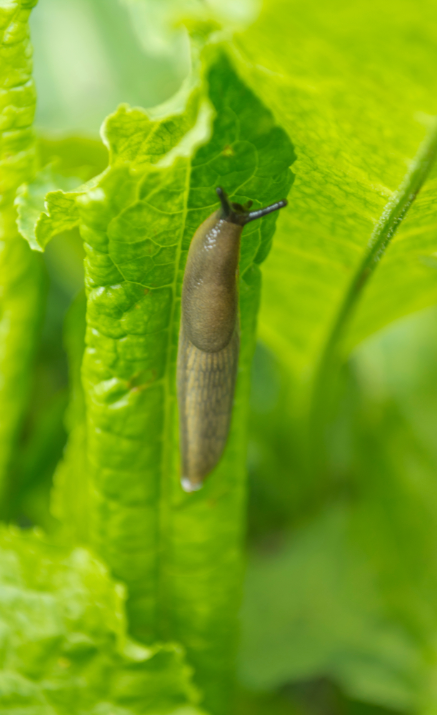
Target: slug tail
[(189, 487), (206, 384)]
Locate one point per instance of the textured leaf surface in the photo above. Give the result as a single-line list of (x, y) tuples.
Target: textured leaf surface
[(358, 110), (181, 561), (65, 650), (47, 205), (48, 191), (20, 271), (188, 552)]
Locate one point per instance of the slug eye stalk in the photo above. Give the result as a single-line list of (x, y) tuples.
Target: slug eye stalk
[(209, 338), (240, 215)]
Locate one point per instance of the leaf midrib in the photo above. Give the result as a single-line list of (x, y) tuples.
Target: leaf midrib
[(164, 529)]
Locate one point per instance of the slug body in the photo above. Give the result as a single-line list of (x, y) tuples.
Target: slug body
[(209, 339)]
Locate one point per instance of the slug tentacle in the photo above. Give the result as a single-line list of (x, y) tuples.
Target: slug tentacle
[(240, 215), (209, 338), (259, 213)]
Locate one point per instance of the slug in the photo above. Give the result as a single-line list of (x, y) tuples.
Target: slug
[(209, 338)]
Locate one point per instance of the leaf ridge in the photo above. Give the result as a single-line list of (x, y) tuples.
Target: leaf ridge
[(165, 485)]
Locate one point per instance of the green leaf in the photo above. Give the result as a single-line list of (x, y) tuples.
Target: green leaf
[(132, 135), (17, 104), (129, 372), (314, 609), (137, 221), (65, 650), (136, 247), (358, 112), (50, 192), (47, 206), (21, 288)]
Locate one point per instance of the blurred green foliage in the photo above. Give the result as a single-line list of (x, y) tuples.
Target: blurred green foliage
[(339, 613), (89, 58)]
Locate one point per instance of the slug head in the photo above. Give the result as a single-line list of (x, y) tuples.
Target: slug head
[(240, 215)]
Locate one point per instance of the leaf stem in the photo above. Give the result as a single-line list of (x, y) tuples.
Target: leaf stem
[(382, 235)]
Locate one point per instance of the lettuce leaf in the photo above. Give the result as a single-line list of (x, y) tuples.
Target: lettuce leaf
[(21, 282), (136, 221), (64, 644)]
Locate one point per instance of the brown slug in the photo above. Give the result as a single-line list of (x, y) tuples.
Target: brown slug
[(209, 338)]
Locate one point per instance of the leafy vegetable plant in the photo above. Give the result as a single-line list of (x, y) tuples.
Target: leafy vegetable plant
[(129, 600), (21, 278)]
